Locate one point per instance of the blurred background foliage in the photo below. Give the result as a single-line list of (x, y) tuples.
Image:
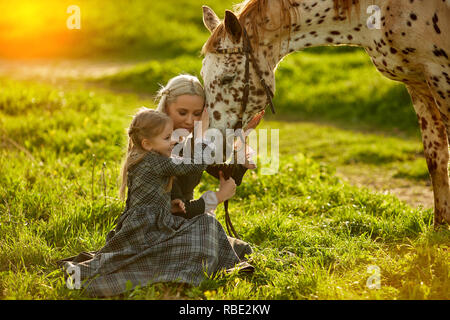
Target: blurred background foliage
[(164, 38)]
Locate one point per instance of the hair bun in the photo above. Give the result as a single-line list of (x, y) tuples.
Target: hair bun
[(165, 92)]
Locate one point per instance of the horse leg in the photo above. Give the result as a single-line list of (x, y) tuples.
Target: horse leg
[(438, 80), (435, 142), (446, 120)]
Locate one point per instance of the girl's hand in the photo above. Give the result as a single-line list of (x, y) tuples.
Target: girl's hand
[(227, 188), (177, 206)]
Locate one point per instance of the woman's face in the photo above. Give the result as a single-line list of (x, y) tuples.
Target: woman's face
[(185, 110)]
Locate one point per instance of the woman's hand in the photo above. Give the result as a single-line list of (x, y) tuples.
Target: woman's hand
[(249, 152), (177, 206), (204, 120), (249, 164), (227, 188), (255, 121)]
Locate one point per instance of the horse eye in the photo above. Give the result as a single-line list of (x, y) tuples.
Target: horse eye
[(227, 79)]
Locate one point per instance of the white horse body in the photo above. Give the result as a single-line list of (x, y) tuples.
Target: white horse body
[(410, 45)]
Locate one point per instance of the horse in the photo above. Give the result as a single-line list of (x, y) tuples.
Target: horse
[(405, 40)]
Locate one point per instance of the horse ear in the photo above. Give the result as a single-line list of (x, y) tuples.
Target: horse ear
[(210, 19), (232, 25)]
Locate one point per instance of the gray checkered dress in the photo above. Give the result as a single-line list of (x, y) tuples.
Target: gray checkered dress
[(149, 244)]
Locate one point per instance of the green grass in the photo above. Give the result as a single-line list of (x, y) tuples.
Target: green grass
[(401, 155), (314, 235)]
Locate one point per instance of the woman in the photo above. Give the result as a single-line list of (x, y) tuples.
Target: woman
[(183, 100)]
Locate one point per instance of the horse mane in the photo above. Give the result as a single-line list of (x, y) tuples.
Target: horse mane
[(256, 12)]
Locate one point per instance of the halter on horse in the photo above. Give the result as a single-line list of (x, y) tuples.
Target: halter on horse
[(246, 49)]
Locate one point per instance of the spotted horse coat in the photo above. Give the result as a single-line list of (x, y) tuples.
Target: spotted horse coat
[(411, 45)]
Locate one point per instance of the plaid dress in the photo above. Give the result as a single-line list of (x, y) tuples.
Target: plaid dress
[(149, 244)]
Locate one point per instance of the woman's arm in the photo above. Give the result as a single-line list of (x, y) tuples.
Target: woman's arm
[(192, 207), (206, 204)]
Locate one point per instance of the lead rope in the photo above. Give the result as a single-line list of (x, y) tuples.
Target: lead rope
[(231, 231), (229, 172)]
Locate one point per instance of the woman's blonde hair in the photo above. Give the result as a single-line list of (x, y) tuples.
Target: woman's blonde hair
[(178, 86), (146, 124)]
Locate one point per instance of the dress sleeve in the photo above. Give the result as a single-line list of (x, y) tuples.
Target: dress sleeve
[(176, 192), (194, 207), (211, 202), (175, 166), (206, 204)]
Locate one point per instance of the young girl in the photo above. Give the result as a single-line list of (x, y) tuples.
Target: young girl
[(149, 244)]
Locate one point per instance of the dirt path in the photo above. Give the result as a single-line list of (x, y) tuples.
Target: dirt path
[(61, 69), (415, 193)]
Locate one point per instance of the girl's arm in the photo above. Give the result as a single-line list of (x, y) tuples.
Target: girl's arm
[(175, 166)]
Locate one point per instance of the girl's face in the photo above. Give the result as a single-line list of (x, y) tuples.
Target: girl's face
[(185, 110), (162, 143)]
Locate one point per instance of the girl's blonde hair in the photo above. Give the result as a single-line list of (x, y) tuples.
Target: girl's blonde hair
[(178, 86), (146, 124)]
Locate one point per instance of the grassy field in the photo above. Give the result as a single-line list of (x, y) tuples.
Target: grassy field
[(314, 234)]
